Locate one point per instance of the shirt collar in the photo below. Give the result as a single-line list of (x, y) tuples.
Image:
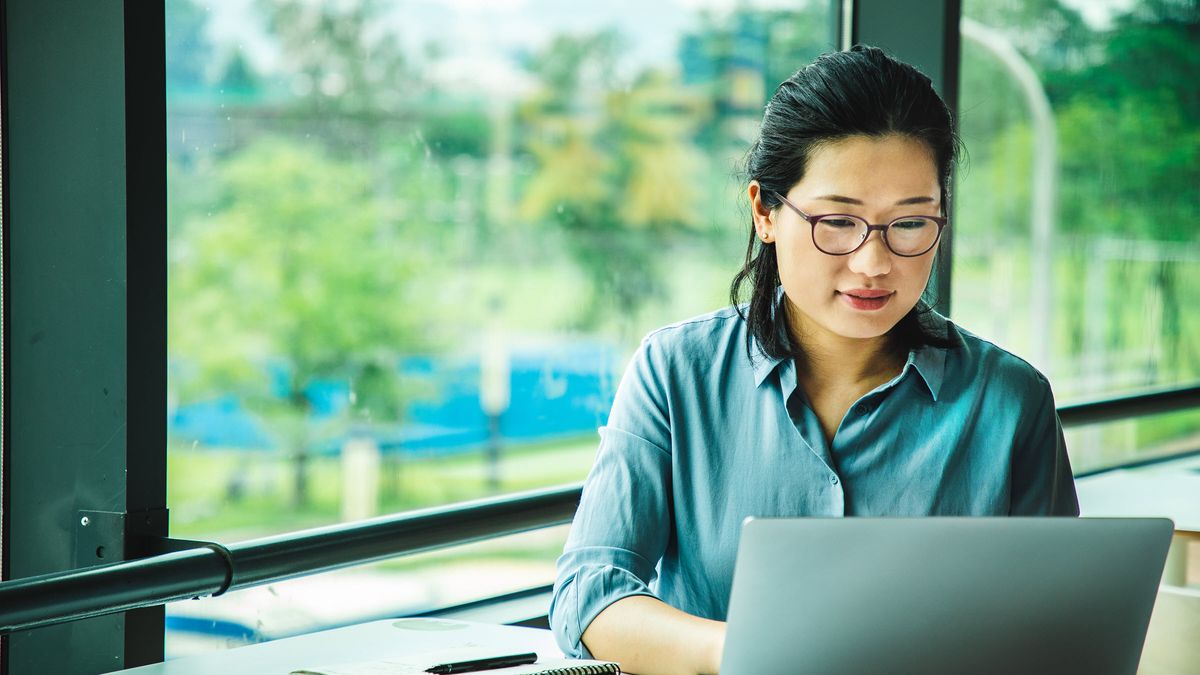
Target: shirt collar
[(763, 365), (928, 361), (930, 364)]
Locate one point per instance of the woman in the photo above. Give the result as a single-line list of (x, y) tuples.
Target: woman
[(835, 391)]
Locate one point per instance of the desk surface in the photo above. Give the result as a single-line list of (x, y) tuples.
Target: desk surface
[(364, 642), (1170, 490)]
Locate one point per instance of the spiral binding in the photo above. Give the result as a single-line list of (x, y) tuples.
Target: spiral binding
[(589, 669)]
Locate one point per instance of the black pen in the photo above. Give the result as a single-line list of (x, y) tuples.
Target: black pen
[(483, 664)]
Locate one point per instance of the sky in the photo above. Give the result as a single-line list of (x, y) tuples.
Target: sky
[(1099, 13), (472, 34)]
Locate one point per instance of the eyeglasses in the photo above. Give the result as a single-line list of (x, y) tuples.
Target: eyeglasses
[(843, 234)]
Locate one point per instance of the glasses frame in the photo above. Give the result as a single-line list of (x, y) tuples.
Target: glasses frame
[(942, 223)]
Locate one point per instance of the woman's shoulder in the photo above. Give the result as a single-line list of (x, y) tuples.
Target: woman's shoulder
[(983, 362), (706, 334), (687, 355)]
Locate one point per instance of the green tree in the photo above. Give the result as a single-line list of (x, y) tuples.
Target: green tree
[(1127, 112), (350, 77), (295, 265), (238, 77), (617, 170), (1131, 120), (1126, 108)]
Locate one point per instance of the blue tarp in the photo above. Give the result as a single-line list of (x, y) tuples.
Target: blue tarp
[(220, 422), (562, 393)]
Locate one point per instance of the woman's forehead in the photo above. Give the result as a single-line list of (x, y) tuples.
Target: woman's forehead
[(888, 168)]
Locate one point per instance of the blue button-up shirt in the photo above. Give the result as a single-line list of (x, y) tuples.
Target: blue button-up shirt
[(703, 434)]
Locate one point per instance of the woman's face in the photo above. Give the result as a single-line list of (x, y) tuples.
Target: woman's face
[(863, 294)]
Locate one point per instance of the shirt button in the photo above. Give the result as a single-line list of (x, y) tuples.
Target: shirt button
[(864, 408), (833, 480)]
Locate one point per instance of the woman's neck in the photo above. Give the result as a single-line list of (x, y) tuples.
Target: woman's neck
[(838, 361)]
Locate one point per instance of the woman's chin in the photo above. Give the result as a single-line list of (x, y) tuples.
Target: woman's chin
[(863, 328)]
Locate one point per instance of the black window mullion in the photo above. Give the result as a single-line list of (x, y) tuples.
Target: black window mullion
[(924, 33), (85, 288)]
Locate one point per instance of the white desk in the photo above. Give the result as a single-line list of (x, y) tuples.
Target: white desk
[(367, 641), (1170, 490)]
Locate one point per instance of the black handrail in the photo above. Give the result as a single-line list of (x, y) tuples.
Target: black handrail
[(77, 594), (1125, 407), (48, 599)]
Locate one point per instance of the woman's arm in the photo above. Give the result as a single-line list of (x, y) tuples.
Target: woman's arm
[(1042, 484), (649, 637), (624, 522)]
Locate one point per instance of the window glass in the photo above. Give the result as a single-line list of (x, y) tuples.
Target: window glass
[(1075, 244), (404, 586), (412, 244)]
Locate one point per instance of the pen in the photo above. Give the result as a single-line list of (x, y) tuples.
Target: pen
[(483, 664)]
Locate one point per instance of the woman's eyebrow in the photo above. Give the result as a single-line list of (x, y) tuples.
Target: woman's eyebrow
[(851, 200), (838, 198)]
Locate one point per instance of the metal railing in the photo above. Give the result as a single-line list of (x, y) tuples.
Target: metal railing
[(1125, 407), (48, 599), (105, 589)]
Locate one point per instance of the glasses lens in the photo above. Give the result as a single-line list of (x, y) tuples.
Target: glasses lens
[(912, 235), (839, 234)]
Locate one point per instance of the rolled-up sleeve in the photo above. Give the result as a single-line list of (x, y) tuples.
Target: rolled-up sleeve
[(623, 524), (1042, 482)]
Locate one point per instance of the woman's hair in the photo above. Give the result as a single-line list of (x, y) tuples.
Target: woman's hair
[(860, 92)]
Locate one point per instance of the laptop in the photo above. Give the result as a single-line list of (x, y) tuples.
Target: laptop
[(943, 595)]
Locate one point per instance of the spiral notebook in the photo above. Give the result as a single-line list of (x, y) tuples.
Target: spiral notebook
[(416, 664)]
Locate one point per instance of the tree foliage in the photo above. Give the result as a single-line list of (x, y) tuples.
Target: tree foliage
[(341, 225), (616, 168), (1126, 108), (296, 265)]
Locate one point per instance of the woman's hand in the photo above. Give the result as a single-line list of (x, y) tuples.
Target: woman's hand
[(649, 637)]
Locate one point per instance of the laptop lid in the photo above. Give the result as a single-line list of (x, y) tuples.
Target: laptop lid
[(943, 595)]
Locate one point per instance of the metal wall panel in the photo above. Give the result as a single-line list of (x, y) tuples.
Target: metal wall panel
[(78, 306)]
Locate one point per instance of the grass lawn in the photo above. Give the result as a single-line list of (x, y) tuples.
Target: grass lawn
[(233, 495)]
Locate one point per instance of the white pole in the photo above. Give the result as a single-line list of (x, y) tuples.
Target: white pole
[(495, 388), (1044, 188), (360, 478)]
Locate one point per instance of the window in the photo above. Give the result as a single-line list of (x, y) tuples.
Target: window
[(413, 244), (1075, 243)]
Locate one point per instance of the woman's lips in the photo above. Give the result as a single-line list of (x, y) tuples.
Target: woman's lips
[(866, 299)]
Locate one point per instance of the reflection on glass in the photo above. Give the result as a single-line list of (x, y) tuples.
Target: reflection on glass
[(1144, 438), (410, 585), (1120, 266), (412, 244)]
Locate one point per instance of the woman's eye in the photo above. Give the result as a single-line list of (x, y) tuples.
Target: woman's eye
[(839, 223), (914, 224)]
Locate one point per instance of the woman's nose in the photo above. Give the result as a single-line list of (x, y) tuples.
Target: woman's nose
[(873, 258)]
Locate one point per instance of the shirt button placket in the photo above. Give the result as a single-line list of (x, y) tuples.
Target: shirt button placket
[(836, 495)]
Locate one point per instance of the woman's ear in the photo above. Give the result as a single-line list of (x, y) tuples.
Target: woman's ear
[(764, 218)]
